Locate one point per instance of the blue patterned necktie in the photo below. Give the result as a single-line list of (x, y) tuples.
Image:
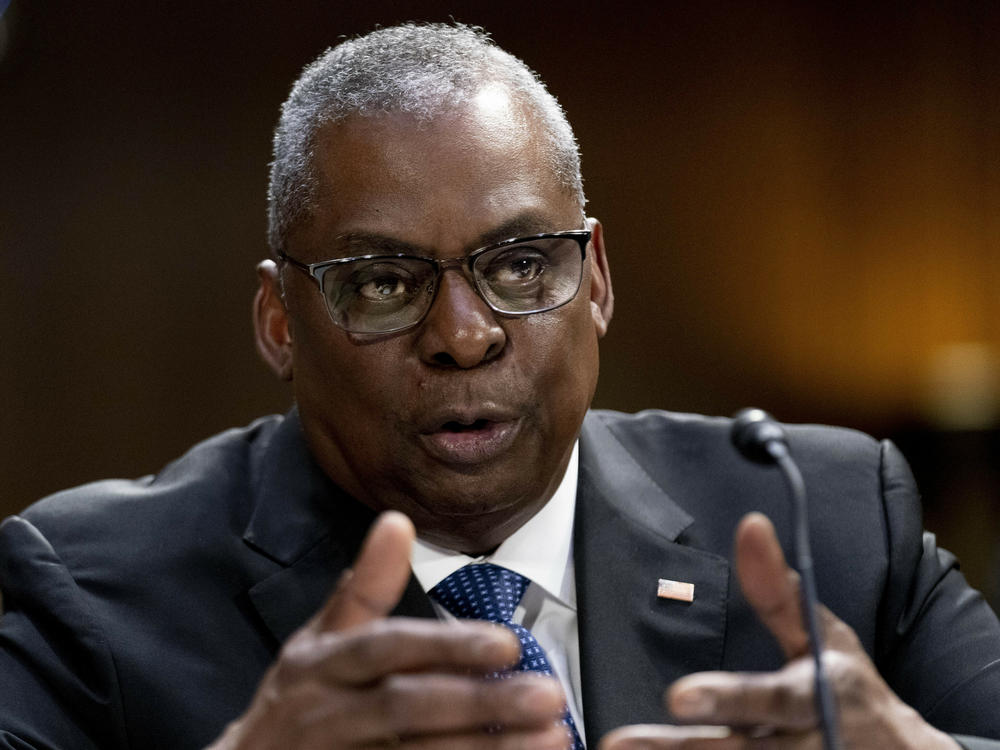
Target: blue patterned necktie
[(484, 591)]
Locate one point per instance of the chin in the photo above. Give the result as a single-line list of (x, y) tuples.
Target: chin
[(477, 515), (474, 503)]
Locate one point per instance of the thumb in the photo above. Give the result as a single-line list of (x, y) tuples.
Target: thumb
[(371, 589), (771, 587)]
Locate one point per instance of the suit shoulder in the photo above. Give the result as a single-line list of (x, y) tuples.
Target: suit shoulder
[(652, 427), (205, 482)]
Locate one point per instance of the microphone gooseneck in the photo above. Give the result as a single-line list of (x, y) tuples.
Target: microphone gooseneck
[(761, 439)]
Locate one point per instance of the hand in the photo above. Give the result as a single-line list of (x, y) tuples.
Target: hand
[(353, 677), (778, 709)]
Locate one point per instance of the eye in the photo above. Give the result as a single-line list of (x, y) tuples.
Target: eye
[(516, 266), (383, 282), (384, 287)]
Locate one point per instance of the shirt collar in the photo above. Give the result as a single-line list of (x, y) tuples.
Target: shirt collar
[(540, 550)]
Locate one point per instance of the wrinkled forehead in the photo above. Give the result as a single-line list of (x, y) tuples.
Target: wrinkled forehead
[(471, 166)]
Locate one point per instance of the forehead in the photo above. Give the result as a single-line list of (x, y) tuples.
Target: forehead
[(441, 184)]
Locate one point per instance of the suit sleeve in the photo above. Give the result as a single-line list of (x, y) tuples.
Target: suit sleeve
[(940, 642), (58, 688)]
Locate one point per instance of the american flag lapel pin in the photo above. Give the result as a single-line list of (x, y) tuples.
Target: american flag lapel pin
[(678, 590)]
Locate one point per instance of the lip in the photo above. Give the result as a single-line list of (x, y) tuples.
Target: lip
[(466, 440)]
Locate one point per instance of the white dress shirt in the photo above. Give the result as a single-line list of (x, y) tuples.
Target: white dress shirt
[(542, 551)]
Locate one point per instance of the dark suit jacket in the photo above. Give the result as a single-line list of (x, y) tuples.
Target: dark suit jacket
[(142, 614)]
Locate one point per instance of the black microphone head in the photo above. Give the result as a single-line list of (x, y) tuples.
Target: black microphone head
[(753, 431)]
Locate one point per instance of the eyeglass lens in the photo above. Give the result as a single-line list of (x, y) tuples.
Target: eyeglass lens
[(379, 295)]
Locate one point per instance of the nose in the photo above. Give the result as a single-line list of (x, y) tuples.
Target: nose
[(460, 330)]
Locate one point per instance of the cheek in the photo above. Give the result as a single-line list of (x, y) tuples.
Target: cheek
[(562, 362), (342, 379)]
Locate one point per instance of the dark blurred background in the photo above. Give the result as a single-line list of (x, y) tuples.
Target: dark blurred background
[(802, 204)]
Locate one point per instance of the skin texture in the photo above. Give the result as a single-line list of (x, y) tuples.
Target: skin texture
[(373, 407)]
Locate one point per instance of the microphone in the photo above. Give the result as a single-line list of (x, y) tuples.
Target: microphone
[(758, 436), (761, 439)]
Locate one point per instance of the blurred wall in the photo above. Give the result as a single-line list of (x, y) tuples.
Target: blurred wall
[(802, 204)]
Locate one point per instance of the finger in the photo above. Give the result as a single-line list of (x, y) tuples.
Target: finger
[(553, 737), (783, 700), (391, 645), (667, 737), (769, 585), (374, 585), (413, 705)]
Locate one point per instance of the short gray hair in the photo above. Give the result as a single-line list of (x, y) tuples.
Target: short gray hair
[(418, 69)]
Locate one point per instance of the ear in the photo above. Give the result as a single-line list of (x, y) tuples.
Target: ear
[(270, 321), (602, 297)]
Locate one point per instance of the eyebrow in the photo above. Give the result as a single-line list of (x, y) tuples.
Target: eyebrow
[(372, 243), (521, 225)]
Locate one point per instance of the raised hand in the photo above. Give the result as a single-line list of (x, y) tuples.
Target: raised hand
[(730, 710), (354, 677)]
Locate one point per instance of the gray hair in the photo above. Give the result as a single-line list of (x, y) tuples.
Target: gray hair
[(418, 69)]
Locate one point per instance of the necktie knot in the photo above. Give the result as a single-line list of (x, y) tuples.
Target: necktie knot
[(481, 592)]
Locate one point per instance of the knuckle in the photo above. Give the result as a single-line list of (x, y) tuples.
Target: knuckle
[(392, 699), (849, 676), (787, 696), (368, 653), (295, 658), (371, 646), (386, 645), (841, 634), (841, 669), (483, 698), (302, 712), (783, 699)]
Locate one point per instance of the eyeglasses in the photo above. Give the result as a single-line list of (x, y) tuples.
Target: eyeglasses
[(388, 293)]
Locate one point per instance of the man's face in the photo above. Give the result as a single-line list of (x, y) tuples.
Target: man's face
[(466, 421)]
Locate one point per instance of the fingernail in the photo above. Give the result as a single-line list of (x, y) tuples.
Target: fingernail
[(694, 702)]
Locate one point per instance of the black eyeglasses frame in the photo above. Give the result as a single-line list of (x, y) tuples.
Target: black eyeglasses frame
[(316, 271)]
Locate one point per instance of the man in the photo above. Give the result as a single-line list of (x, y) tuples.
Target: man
[(436, 298)]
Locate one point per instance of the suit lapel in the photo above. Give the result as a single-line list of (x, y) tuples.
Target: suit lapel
[(627, 535), (287, 599), (632, 643), (310, 529)]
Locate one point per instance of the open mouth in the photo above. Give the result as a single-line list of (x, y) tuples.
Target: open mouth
[(479, 424), (470, 442)]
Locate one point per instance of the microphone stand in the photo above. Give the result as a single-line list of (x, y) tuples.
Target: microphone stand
[(760, 438)]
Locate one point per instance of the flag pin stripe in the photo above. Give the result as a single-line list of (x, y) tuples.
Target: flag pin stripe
[(678, 590)]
